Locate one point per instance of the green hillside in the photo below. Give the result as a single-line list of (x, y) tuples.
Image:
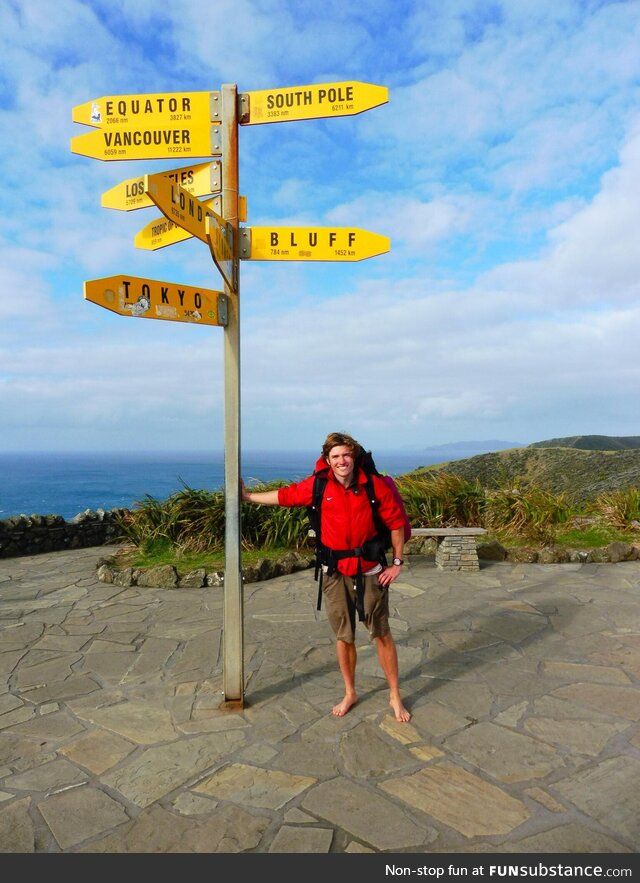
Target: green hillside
[(582, 474), (592, 442)]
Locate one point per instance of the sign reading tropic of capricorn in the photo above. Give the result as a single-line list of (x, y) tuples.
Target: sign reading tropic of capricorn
[(195, 125)]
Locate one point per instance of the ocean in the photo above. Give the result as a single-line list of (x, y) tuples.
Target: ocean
[(68, 483)]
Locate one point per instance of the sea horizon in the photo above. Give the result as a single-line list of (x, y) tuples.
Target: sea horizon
[(67, 483)]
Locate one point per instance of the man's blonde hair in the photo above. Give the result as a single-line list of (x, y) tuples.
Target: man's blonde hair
[(341, 438)]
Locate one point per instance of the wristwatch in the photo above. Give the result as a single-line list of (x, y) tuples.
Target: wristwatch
[(398, 561)]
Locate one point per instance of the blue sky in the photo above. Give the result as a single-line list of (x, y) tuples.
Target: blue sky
[(505, 168)]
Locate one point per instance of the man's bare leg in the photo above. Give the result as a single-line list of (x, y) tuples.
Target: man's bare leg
[(388, 658), (347, 656)]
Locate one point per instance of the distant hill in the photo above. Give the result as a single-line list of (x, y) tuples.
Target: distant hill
[(470, 448), (582, 474), (592, 442)]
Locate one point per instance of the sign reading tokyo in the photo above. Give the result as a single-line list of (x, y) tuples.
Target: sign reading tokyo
[(310, 244), (151, 299), (312, 102)]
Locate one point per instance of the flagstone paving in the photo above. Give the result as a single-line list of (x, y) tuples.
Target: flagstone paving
[(523, 681)]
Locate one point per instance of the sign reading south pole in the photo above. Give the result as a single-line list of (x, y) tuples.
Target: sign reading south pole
[(177, 125), (151, 299), (311, 102), (310, 244)]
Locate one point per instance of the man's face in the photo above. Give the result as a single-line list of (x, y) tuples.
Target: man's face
[(342, 463)]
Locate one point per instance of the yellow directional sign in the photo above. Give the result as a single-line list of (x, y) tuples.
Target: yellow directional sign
[(161, 232), (220, 236), (198, 180), (149, 141), (310, 244), (310, 102), (179, 206), (151, 299), (148, 111)]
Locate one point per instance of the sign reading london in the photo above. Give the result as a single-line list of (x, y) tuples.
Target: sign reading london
[(151, 299), (197, 218), (311, 102), (154, 126), (310, 244), (160, 232)]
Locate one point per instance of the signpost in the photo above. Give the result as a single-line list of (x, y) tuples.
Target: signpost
[(151, 299), (198, 180), (170, 141), (186, 125), (161, 232), (160, 108), (311, 102), (310, 244)]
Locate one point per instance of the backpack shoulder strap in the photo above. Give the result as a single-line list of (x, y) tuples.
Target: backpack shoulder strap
[(381, 527)]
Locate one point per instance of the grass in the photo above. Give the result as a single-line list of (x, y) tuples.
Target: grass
[(130, 556), (187, 529)]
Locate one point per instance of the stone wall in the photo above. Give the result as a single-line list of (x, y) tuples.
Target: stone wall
[(31, 534)]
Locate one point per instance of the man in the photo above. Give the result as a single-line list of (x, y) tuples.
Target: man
[(347, 524)]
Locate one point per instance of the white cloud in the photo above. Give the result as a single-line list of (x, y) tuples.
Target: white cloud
[(504, 168)]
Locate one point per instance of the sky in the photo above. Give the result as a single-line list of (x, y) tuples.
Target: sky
[(504, 168)]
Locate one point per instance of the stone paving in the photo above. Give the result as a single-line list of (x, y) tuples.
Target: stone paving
[(523, 681)]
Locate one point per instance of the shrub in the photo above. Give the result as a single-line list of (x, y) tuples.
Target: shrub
[(620, 508), (516, 509), (442, 500)]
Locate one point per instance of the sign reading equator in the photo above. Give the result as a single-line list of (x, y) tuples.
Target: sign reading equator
[(111, 111), (152, 299), (310, 244), (311, 102)]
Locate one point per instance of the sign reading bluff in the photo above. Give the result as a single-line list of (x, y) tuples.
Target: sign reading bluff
[(310, 244), (311, 102), (151, 299)]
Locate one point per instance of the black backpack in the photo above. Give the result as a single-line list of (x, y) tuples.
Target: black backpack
[(372, 550)]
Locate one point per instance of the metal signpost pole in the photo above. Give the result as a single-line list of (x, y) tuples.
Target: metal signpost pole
[(233, 644)]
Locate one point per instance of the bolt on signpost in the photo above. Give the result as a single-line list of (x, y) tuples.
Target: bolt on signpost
[(189, 126)]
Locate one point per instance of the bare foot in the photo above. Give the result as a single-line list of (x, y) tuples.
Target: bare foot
[(401, 713), (343, 707)]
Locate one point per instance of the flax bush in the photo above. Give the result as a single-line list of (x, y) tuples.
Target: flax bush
[(442, 500), (517, 510), (620, 508)]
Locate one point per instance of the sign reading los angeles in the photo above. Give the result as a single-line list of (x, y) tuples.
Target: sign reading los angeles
[(198, 180), (154, 126), (151, 299), (310, 244), (311, 102)]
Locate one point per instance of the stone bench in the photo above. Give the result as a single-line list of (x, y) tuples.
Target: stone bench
[(456, 546)]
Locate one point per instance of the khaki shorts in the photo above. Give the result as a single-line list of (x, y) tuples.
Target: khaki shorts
[(339, 595)]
